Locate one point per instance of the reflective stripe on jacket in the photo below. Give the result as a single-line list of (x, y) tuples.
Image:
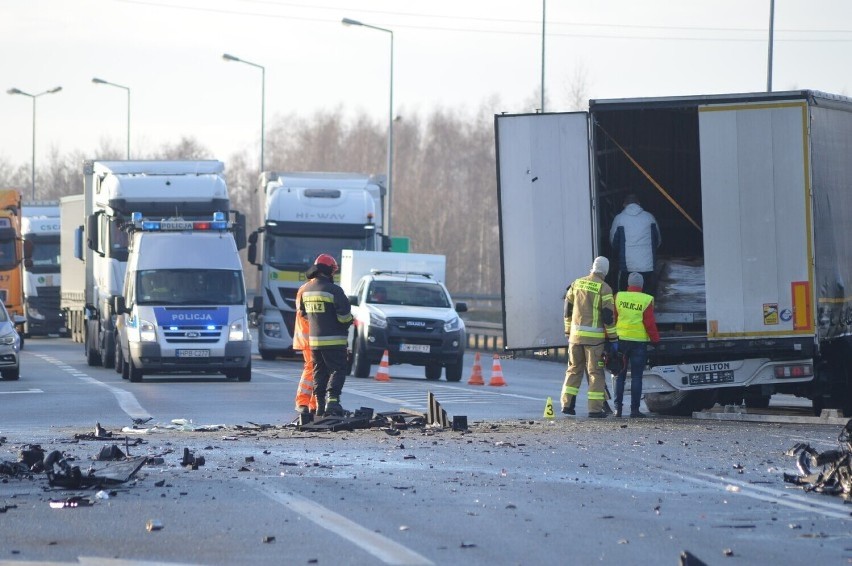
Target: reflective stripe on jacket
[(300, 330), (630, 306), (328, 312), (589, 313)]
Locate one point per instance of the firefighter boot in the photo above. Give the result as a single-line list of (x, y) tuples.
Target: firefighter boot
[(320, 407), (333, 407)]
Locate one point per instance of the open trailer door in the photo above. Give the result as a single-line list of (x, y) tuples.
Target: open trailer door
[(756, 204), (545, 216)]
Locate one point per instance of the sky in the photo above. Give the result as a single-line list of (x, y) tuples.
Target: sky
[(453, 54)]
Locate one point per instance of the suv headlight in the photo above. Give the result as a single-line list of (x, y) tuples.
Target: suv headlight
[(8, 339), (237, 331), (452, 325), (377, 320)]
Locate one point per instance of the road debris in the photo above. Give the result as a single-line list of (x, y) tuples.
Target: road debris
[(835, 475), (75, 501), (154, 525)]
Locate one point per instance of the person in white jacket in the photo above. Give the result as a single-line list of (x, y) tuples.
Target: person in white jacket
[(635, 237)]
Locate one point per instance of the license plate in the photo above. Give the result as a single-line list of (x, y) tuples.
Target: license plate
[(420, 348), (193, 353), (709, 377)]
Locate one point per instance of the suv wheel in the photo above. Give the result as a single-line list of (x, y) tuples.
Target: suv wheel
[(360, 361), (433, 371), (454, 371)]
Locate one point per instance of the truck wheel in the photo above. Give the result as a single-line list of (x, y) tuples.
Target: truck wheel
[(11, 374), (360, 361), (125, 370), (680, 403), (267, 355), (454, 371), (134, 373), (433, 372), (108, 352), (757, 401)]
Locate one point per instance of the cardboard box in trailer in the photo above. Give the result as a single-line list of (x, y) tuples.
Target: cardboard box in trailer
[(750, 192)]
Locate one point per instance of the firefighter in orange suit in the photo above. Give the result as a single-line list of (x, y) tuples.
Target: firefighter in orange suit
[(590, 326), (305, 400)]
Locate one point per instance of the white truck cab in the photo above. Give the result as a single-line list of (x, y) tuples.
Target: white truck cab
[(183, 308)]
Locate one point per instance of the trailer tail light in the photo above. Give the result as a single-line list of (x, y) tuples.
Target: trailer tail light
[(794, 370)]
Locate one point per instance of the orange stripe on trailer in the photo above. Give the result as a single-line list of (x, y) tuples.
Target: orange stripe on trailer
[(802, 307)]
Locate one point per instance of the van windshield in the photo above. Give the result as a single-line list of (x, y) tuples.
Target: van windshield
[(189, 287)]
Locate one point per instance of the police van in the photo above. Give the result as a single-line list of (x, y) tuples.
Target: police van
[(183, 309)]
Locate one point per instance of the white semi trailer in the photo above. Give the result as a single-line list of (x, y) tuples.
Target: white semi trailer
[(751, 193)]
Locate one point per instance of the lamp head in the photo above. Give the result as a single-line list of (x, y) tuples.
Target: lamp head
[(14, 91), (99, 81), (228, 57), (349, 22)]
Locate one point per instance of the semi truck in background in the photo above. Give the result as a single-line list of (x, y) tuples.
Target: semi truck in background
[(751, 193), (112, 192), (12, 256), (72, 272), (183, 308), (305, 215), (40, 230)]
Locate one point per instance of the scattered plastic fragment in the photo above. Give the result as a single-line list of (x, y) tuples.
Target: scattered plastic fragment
[(268, 539), (75, 501), (153, 525), (835, 476)]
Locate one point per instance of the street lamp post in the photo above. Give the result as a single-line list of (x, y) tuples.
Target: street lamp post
[(103, 82), (228, 57), (34, 96), (387, 220)]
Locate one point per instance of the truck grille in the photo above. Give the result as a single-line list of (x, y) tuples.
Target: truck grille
[(192, 334)]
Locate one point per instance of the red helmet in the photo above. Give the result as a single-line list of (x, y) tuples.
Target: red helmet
[(328, 261)]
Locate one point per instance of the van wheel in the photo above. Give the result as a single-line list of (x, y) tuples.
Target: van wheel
[(267, 355), (242, 374), (119, 358), (360, 360), (125, 370), (134, 373)]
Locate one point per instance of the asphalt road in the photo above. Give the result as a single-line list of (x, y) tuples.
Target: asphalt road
[(515, 488)]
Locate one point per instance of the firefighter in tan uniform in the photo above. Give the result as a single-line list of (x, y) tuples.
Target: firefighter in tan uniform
[(589, 324)]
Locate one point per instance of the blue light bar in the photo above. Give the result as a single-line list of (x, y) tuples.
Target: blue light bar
[(217, 216)]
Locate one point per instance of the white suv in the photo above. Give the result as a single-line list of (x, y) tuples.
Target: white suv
[(411, 316)]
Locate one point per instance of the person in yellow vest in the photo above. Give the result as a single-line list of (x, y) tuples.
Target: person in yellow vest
[(589, 324), (306, 402), (636, 326)]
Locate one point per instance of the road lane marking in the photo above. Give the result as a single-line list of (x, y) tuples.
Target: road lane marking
[(383, 548), (126, 400), (781, 497), (22, 391)]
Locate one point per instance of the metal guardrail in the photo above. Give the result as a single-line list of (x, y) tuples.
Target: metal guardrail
[(484, 335)]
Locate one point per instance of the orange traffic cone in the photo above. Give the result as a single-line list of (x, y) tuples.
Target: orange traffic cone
[(496, 372), (383, 374), (476, 376)]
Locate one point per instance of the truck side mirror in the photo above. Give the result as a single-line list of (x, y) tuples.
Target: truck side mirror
[(386, 243), (252, 252), (257, 304), (353, 300), (240, 230), (92, 238), (78, 243), (28, 263), (28, 250), (118, 305)]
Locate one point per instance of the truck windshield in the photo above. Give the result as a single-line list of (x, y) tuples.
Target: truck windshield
[(8, 257), (45, 253), (189, 287), (408, 293), (300, 251)]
